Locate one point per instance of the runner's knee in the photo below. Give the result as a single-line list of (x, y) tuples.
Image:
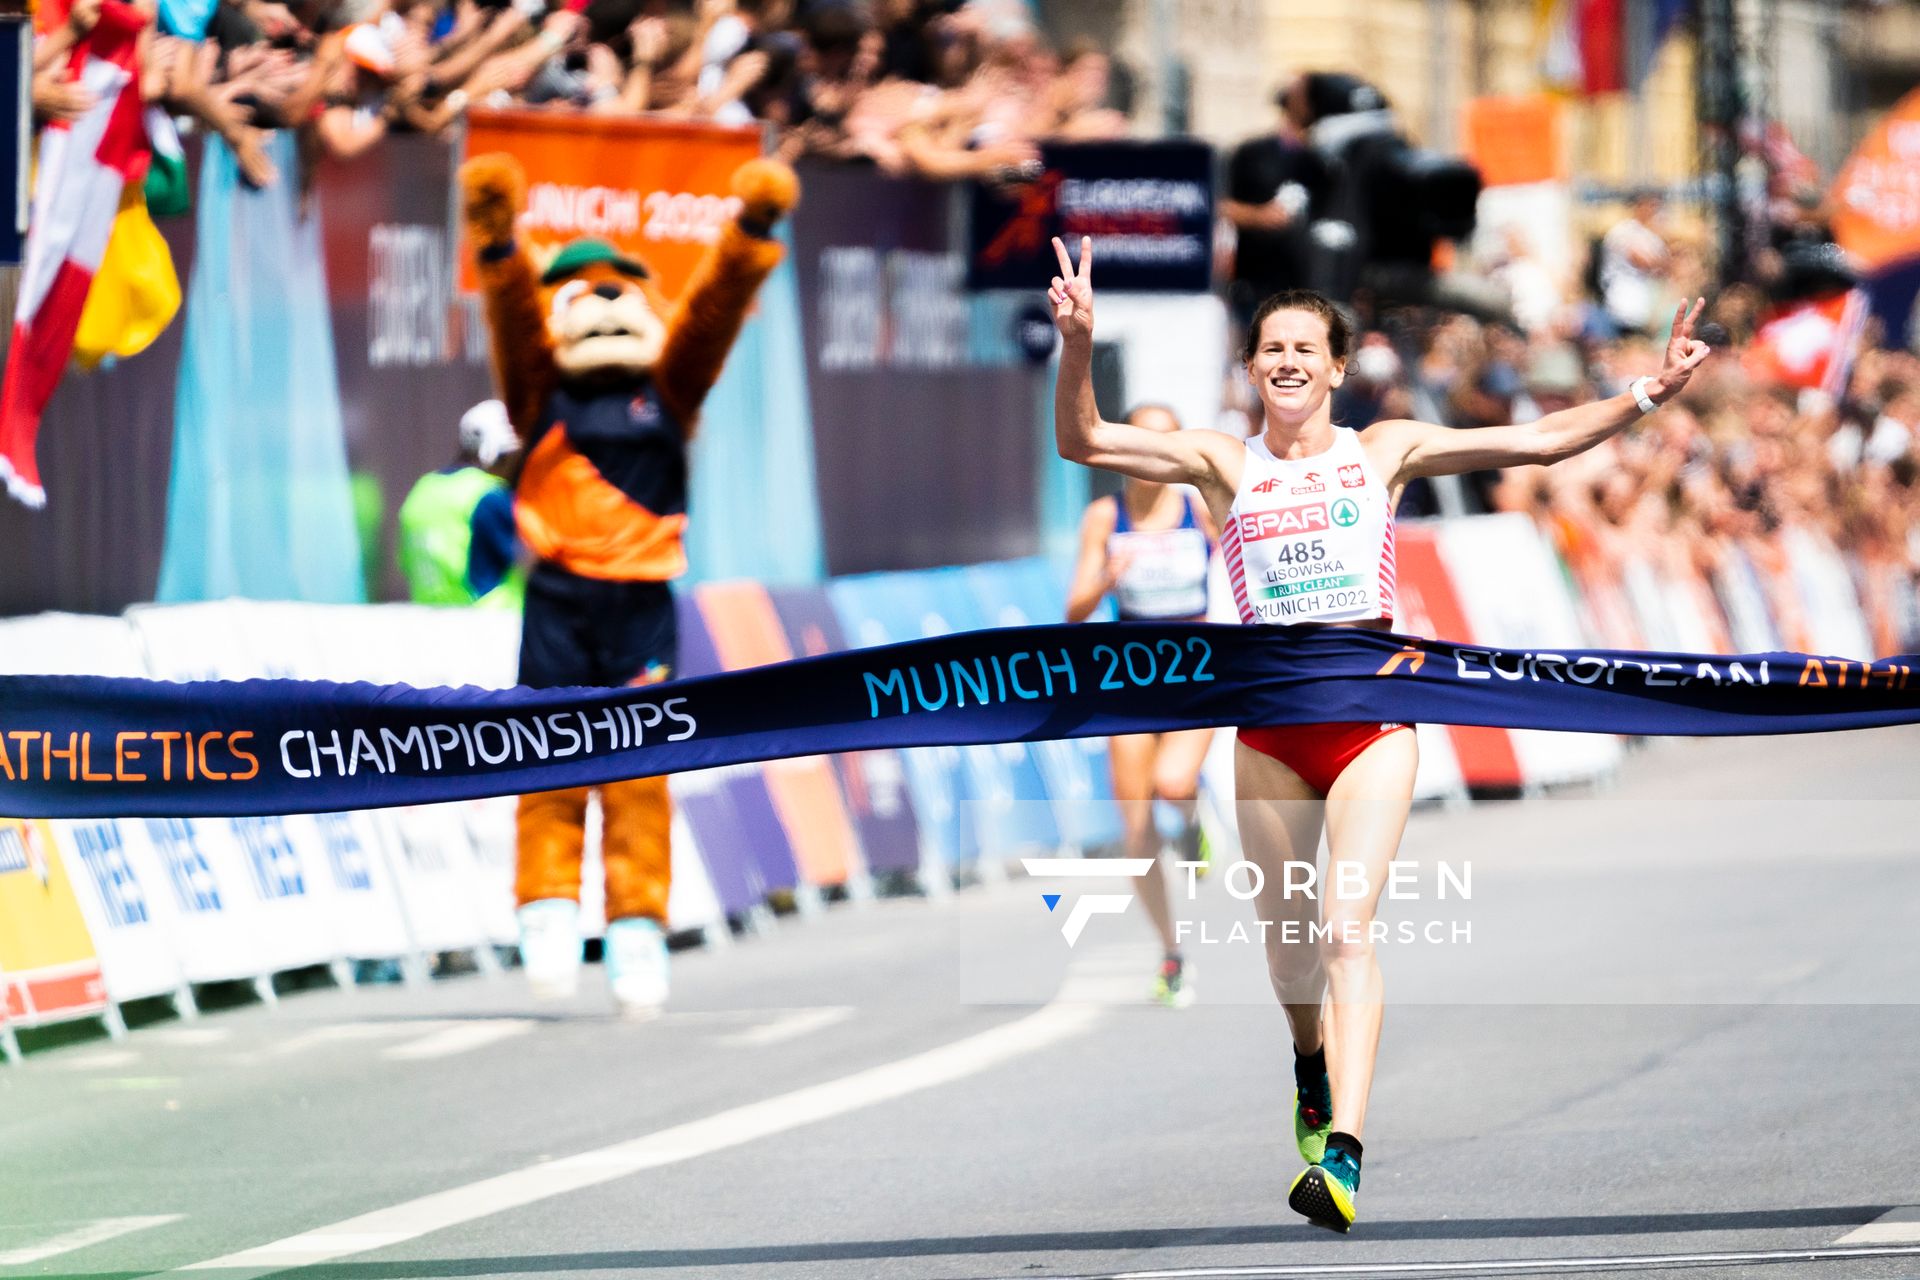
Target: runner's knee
[(1175, 788), (1346, 941), (1291, 966)]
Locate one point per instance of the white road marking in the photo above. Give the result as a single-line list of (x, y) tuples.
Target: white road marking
[(101, 1059), (187, 1035), (1504, 1266), (80, 1237), (789, 1026), (437, 1212), (338, 1032), (1896, 1226), (1110, 975), (460, 1039)]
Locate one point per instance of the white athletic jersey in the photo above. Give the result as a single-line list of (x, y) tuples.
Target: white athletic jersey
[(1166, 573), (1312, 540)]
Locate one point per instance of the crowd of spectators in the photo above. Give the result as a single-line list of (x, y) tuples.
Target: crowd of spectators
[(969, 88), (1715, 489), (944, 88)]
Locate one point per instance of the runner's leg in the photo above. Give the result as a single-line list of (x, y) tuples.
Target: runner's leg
[(1176, 780), (1280, 818), (1366, 813), (1132, 757)]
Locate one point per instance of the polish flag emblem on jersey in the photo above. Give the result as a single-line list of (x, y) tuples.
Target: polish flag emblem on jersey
[(1353, 476)]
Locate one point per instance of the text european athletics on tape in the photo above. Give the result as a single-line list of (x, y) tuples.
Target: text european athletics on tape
[(85, 747)]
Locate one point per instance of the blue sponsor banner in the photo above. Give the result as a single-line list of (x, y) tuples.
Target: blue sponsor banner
[(1014, 810), (1020, 593), (1147, 205), (104, 854), (871, 613), (346, 854), (873, 782), (271, 858), (264, 747), (722, 843), (195, 888), (755, 837)]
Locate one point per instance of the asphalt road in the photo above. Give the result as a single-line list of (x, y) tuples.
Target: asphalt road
[(1683, 1029)]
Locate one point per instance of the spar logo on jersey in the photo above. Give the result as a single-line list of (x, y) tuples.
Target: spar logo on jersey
[(1352, 476), (1345, 513), (1308, 518), (1312, 483), (1087, 905)]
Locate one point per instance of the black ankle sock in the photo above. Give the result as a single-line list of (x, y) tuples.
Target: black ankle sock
[(1338, 1140), (1309, 1069)]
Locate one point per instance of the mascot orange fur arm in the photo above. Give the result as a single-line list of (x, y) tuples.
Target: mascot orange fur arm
[(495, 190), (718, 298)]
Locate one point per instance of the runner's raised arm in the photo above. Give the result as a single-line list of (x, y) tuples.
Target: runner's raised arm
[(1161, 457)]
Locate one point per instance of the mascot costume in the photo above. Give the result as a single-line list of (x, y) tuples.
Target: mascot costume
[(603, 377)]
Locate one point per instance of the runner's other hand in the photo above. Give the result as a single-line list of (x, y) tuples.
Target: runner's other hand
[(1684, 353), (1071, 292)]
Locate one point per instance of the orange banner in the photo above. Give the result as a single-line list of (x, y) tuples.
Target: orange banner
[(48, 969), (1876, 199), (1515, 140), (657, 189)]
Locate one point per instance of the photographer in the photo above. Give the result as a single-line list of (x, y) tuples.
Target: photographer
[(1275, 185)]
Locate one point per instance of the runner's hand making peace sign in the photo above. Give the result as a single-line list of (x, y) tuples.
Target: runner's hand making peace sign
[(1071, 292), (1684, 353)]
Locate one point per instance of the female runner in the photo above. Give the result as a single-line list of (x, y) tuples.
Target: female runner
[(1148, 548), (1306, 513)]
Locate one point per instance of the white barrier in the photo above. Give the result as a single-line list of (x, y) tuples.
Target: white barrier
[(133, 911), (1515, 596), (1834, 618), (295, 893), (172, 902)]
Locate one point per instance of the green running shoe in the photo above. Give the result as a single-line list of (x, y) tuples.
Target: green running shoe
[(1312, 1120), (1173, 985), (1193, 846), (1324, 1193)]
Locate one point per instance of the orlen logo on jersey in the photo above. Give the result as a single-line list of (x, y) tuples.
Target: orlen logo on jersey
[(1352, 477), (1256, 525)]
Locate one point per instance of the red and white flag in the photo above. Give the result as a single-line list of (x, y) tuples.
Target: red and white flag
[(1810, 345), (82, 167)]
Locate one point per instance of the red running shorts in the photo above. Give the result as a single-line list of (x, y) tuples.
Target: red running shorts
[(1319, 753)]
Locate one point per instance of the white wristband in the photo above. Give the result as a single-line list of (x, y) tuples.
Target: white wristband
[(1638, 388)]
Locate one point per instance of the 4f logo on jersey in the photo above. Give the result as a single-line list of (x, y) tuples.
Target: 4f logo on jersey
[(1087, 905), (1311, 484), (1267, 486), (1352, 476), (1309, 518)]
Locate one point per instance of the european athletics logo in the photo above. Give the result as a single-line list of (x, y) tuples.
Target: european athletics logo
[(1088, 905)]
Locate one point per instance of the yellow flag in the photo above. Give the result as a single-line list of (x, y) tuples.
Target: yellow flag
[(135, 293)]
